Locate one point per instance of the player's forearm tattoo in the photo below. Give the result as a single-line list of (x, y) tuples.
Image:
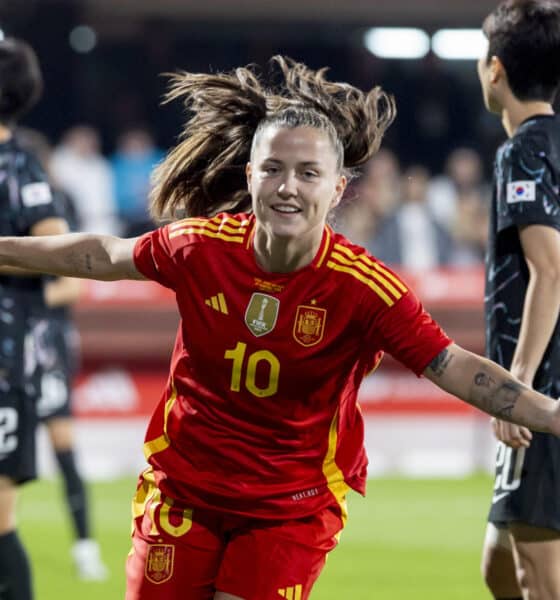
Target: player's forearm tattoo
[(484, 380), (498, 399), (81, 263), (441, 362)]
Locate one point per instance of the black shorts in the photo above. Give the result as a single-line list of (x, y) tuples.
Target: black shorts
[(18, 422), (527, 485), (57, 350)]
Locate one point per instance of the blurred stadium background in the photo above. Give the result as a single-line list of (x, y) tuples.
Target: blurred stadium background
[(102, 61)]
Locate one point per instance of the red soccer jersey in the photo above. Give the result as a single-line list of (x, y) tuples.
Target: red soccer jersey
[(259, 416)]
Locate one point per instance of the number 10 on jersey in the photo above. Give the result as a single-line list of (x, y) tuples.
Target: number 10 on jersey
[(248, 368)]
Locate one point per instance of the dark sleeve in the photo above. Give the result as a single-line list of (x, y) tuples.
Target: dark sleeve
[(35, 194), (66, 209), (528, 191), (409, 334), (155, 259)]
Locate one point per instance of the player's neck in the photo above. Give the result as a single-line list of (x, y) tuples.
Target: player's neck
[(5, 133), (277, 255), (515, 112)]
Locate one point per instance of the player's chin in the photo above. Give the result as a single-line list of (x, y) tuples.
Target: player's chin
[(292, 225), (286, 233)]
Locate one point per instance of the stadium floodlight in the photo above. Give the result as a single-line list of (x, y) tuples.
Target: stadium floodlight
[(83, 39), (1, 35), (397, 42), (459, 44)]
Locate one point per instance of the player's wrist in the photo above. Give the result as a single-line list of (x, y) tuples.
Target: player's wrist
[(523, 374)]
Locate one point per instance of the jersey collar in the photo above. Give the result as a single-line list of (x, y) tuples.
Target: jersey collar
[(320, 256)]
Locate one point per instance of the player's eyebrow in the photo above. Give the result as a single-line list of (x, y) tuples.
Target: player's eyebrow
[(305, 163)]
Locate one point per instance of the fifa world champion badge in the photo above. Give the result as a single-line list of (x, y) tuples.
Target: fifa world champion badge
[(159, 562), (309, 325), (261, 313)]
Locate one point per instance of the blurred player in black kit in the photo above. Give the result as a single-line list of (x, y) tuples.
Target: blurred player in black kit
[(26, 208), (520, 75), (52, 367)]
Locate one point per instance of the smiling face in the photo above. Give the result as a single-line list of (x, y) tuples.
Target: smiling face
[(294, 181)]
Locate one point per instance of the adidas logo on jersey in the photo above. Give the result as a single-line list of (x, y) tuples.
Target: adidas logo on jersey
[(217, 303), (291, 593)]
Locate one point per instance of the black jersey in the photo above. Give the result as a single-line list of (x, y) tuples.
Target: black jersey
[(25, 199), (526, 192)]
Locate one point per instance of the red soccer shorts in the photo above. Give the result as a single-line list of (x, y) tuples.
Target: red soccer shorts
[(188, 554)]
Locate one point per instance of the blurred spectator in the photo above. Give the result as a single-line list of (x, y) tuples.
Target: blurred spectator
[(469, 229), (376, 194), (411, 236), (82, 171), (132, 164), (463, 175)]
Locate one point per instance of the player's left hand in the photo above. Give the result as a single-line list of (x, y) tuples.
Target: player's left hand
[(514, 436)]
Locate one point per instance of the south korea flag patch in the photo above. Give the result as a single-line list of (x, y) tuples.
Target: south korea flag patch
[(35, 194), (521, 191)]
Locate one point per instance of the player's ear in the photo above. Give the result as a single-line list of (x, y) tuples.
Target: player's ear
[(497, 70), (341, 184), (248, 172)]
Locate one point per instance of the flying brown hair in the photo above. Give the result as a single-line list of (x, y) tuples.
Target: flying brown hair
[(205, 173)]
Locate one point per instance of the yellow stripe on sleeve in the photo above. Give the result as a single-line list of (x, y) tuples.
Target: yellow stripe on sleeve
[(390, 275), (216, 224), (207, 232), (355, 273), (367, 271), (215, 221), (372, 264)]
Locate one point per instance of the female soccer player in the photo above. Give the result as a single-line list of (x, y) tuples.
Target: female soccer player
[(54, 364), (26, 208), (257, 438), (520, 77)]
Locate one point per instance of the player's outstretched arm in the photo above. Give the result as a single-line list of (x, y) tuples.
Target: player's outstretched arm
[(494, 390), (83, 255)]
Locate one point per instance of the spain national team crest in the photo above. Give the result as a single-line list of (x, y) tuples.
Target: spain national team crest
[(159, 562), (309, 325), (261, 313)]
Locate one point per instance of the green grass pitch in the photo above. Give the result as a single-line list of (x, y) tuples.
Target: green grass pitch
[(416, 539)]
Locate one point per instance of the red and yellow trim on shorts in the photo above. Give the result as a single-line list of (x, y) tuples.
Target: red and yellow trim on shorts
[(149, 501), (145, 493)]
